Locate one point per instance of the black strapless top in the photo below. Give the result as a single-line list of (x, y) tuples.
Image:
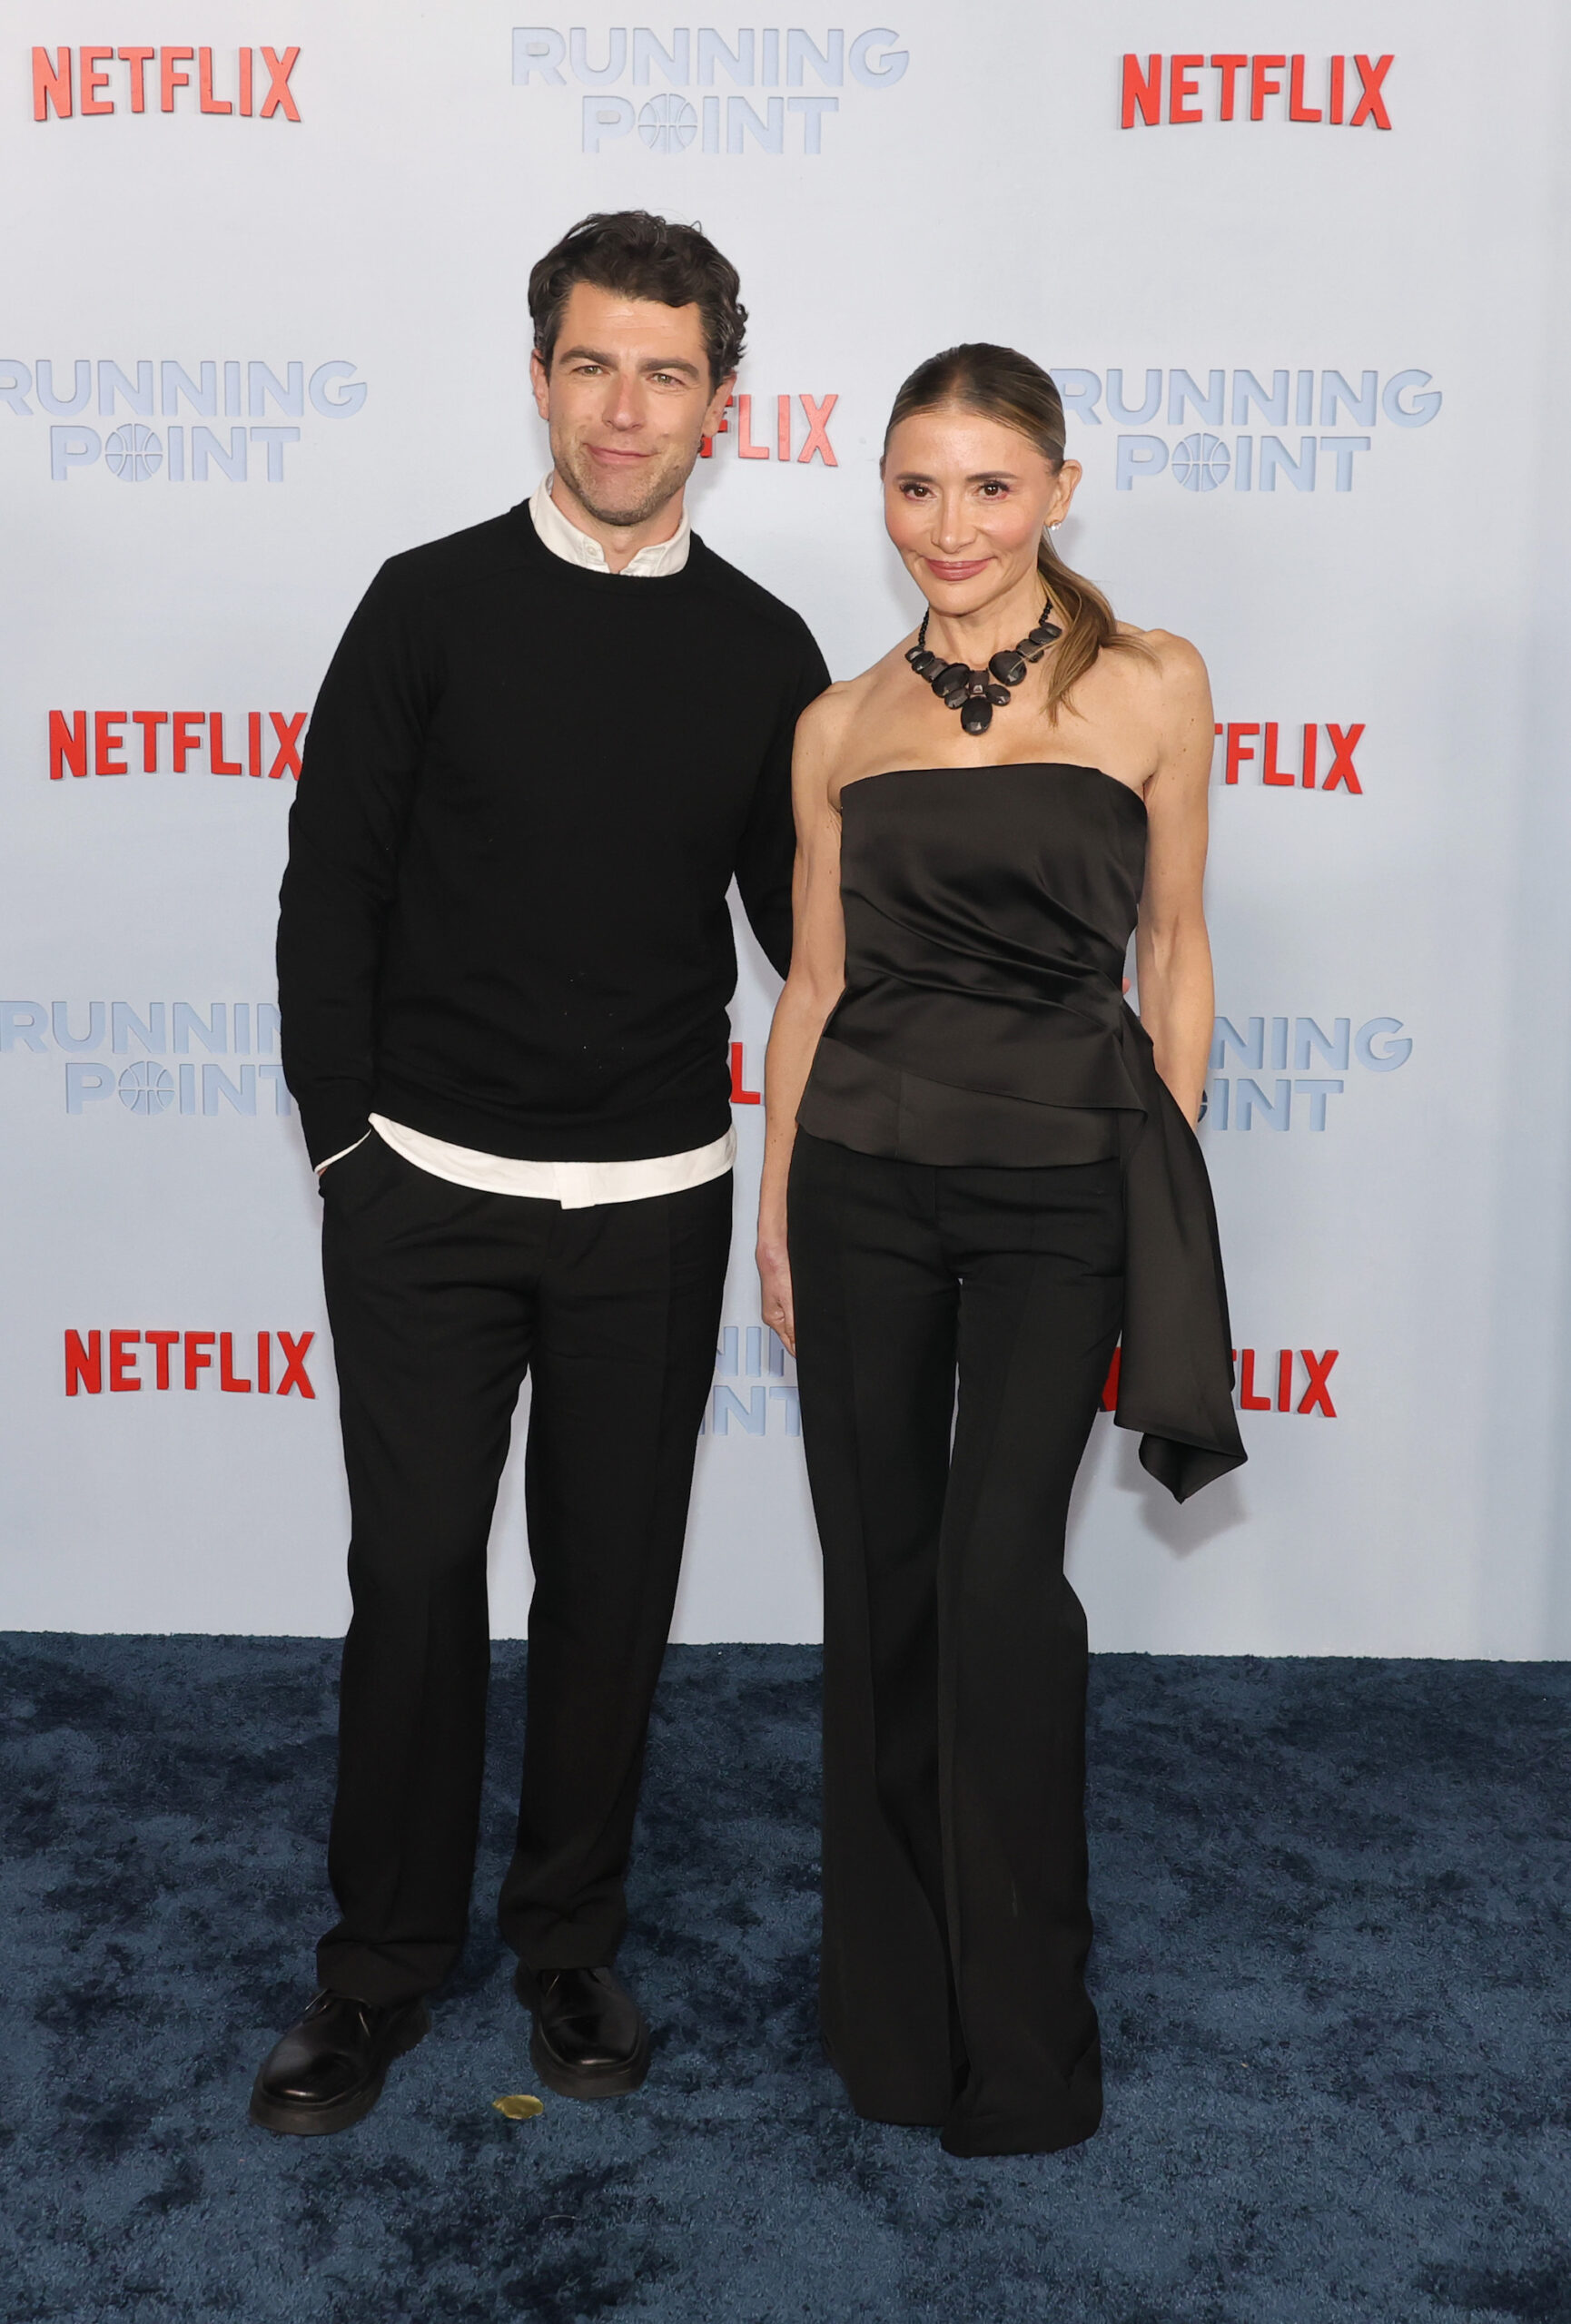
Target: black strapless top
[(988, 914)]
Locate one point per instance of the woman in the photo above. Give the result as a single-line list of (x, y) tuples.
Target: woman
[(981, 1168)]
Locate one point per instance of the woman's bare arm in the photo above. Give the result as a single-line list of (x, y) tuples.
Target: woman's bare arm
[(1172, 951), (810, 991)]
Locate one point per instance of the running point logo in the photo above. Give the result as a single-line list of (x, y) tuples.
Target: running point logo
[(764, 1400), (105, 91), (1354, 99), (271, 750), (1201, 461), (1299, 1377), (87, 1374), (1250, 749), (805, 442), (93, 1035), (1306, 1066), (136, 452), (695, 58)]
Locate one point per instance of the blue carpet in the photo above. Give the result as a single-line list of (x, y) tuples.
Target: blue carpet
[(1332, 1968)]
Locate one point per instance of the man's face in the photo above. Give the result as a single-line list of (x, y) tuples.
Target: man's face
[(627, 400)]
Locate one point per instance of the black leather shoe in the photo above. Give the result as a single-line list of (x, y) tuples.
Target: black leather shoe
[(328, 2069), (590, 2039)]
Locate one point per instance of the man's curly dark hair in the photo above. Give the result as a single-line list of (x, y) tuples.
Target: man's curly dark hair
[(641, 256)]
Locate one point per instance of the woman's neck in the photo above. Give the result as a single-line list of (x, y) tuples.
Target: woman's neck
[(975, 638)]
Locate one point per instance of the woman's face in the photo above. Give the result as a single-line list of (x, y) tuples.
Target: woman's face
[(965, 499)]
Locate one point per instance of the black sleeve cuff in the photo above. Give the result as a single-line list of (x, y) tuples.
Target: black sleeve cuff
[(329, 1126)]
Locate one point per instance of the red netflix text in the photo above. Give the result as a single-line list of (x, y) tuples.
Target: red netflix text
[(810, 443), (1252, 749), (242, 85), (1288, 1381), (159, 1360), (1218, 88), (95, 741)]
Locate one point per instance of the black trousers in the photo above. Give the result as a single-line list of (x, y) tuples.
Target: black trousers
[(956, 1926), (440, 1299)]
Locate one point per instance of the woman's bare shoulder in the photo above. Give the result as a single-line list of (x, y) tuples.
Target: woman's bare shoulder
[(1168, 698), (1167, 666)]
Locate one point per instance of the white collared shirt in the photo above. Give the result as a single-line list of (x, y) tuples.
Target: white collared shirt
[(564, 539), (577, 1186)]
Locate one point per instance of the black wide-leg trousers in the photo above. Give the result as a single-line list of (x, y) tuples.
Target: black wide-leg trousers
[(441, 1300), (956, 1926)]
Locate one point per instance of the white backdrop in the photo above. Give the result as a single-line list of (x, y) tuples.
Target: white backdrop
[(1311, 366)]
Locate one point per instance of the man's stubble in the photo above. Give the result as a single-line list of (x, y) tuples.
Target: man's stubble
[(653, 489)]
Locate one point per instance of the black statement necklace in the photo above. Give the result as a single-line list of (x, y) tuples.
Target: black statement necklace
[(977, 693)]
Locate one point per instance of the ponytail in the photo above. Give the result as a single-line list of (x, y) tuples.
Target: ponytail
[(1087, 621)]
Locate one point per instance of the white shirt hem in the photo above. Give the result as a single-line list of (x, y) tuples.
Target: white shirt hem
[(577, 1186)]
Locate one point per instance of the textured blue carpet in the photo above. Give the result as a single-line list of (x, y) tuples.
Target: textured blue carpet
[(1334, 1970)]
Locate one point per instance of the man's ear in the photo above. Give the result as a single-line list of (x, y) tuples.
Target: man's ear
[(539, 380), (718, 402)]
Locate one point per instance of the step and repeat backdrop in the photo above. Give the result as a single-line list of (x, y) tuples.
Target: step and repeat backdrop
[(264, 324)]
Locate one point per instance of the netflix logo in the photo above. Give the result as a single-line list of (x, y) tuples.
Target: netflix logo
[(1297, 1381), (811, 444), (740, 1093), (83, 742), (100, 88), (1255, 744), (1354, 100), (138, 1359)]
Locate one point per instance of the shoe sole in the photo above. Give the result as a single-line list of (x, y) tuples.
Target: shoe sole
[(587, 2081), (303, 2122)]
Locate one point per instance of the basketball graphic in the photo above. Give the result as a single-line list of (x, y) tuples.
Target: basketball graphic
[(145, 1088), (667, 124), (133, 453), (1200, 463)]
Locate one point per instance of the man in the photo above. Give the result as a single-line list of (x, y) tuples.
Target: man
[(544, 748)]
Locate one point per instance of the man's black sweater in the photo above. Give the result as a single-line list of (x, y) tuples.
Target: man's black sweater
[(525, 791)]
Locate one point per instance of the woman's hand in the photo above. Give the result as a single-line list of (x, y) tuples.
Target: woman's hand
[(775, 1291)]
